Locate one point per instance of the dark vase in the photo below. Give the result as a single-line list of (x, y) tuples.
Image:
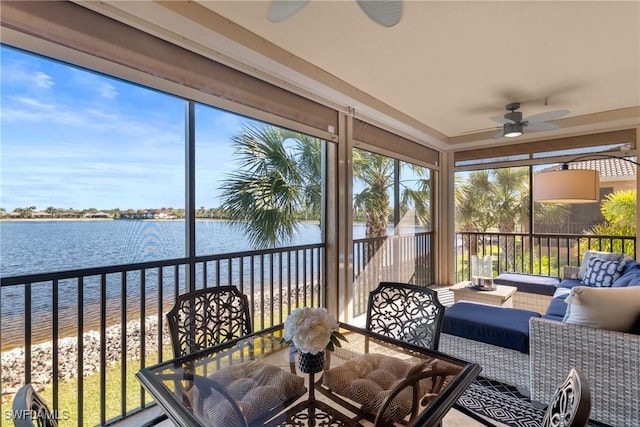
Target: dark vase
[(311, 363)]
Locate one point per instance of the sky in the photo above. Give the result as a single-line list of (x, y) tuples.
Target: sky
[(71, 138)]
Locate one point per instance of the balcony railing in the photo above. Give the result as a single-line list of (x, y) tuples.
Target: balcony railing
[(543, 254), (86, 332), (65, 329), (397, 258)]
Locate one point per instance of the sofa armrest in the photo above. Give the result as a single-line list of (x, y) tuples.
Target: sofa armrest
[(608, 359), (570, 272)]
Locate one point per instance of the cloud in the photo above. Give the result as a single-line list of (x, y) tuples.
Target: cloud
[(20, 72), (107, 91), (41, 80)]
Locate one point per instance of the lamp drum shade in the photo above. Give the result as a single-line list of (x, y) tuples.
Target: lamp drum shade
[(567, 186)]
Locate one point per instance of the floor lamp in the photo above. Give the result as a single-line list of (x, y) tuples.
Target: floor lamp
[(570, 185)]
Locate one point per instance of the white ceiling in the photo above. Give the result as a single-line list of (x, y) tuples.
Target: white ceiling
[(441, 72)]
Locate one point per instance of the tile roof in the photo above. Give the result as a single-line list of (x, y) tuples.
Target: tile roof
[(608, 168)]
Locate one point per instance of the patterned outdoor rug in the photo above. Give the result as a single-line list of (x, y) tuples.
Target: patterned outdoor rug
[(502, 403)]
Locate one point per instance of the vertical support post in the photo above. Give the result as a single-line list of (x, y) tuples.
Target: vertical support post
[(190, 194)]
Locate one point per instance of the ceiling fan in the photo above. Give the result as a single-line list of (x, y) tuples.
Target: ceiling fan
[(513, 125), (385, 12)]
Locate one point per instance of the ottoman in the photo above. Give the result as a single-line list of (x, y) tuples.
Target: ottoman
[(500, 326), (496, 338)]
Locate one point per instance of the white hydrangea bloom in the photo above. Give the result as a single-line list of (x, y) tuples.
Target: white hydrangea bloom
[(310, 329)]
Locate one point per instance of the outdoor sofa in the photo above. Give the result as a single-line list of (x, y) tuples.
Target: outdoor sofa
[(534, 351)]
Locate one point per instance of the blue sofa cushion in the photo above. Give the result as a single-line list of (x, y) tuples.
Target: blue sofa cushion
[(630, 275), (602, 273), (500, 326), (531, 283), (557, 309), (570, 283)]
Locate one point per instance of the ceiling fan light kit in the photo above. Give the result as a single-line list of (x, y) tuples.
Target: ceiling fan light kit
[(512, 130)]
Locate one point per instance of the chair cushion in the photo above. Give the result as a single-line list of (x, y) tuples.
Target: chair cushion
[(256, 387), (500, 326), (616, 309), (602, 273), (368, 379), (570, 283), (556, 310), (607, 256), (530, 283)]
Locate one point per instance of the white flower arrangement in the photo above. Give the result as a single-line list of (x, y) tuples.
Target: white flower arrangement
[(312, 330)]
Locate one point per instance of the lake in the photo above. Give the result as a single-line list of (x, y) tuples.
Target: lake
[(33, 246)]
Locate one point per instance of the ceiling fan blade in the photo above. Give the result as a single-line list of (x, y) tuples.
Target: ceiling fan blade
[(385, 12), (281, 10), (541, 126), (549, 115), (501, 120), (498, 134)]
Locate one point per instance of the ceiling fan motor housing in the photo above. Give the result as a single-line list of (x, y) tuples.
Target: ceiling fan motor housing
[(515, 116)]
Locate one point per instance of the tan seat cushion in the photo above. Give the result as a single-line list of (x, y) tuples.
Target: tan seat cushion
[(256, 387), (368, 379)]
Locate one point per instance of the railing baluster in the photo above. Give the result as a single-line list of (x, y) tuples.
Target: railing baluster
[(142, 350), (123, 342), (103, 348), (27, 336), (80, 332), (54, 341)]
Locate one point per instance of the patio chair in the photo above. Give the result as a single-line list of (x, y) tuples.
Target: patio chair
[(204, 318), (30, 410), (208, 317), (406, 312), (570, 405)]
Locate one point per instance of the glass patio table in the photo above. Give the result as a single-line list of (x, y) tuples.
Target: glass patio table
[(255, 381)]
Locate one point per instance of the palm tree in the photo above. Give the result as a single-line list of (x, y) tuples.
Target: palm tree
[(499, 199), (376, 172), (279, 177), (263, 196), (619, 212)]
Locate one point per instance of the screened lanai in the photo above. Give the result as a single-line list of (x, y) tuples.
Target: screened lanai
[(378, 195)]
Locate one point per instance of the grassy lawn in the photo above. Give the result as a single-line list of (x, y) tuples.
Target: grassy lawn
[(68, 395)]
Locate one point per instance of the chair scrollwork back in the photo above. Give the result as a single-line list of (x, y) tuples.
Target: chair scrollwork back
[(571, 403), (406, 312), (30, 410), (208, 317)]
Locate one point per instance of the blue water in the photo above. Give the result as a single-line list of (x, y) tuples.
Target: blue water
[(29, 247)]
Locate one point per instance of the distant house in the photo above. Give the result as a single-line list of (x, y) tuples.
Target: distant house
[(99, 214), (163, 215), (39, 214)]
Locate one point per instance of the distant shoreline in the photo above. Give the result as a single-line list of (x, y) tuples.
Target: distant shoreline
[(304, 221), (55, 219)]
